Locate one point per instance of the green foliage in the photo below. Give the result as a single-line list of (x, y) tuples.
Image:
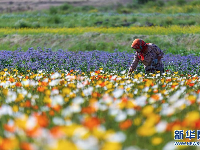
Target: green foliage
[(53, 10), (195, 2), (142, 1), (22, 24), (181, 2), (65, 6), (55, 19)]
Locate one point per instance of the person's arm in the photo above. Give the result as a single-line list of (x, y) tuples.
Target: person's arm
[(134, 64)]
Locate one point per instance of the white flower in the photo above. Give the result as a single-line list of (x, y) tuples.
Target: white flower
[(31, 123), (117, 137), (45, 80), (169, 146), (58, 121), (54, 82), (55, 75), (114, 112), (90, 143), (25, 82), (132, 148), (130, 112), (123, 72), (74, 108), (161, 126), (11, 96), (121, 116), (79, 85), (66, 112), (6, 110), (141, 100), (57, 99), (79, 132), (78, 100), (118, 93), (88, 91), (168, 111)]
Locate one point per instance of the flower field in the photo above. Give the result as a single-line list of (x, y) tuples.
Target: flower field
[(156, 30), (85, 100)]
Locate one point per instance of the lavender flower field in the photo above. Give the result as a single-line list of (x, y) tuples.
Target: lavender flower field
[(86, 61)]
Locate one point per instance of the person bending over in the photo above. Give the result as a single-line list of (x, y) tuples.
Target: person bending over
[(149, 54)]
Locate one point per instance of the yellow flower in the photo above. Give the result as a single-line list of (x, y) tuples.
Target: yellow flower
[(20, 97), (146, 131), (72, 95), (66, 99), (66, 91), (64, 144), (192, 98), (47, 99), (192, 116), (21, 122), (176, 72), (137, 121), (112, 146), (69, 130), (109, 86), (15, 108), (156, 140), (130, 104), (122, 105), (98, 133), (5, 91), (147, 110), (1, 139), (47, 92)]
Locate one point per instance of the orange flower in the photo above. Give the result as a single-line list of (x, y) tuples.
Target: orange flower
[(198, 91), (125, 124), (7, 144), (51, 113), (28, 103), (35, 132), (88, 110), (18, 84), (40, 89), (56, 108), (191, 84), (98, 71), (11, 79), (35, 107), (102, 84), (91, 122), (172, 124), (56, 132), (43, 121), (9, 128), (155, 97), (124, 99), (168, 80), (26, 146), (96, 94), (44, 83)]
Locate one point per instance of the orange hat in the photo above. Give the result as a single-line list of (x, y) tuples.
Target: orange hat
[(138, 43)]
